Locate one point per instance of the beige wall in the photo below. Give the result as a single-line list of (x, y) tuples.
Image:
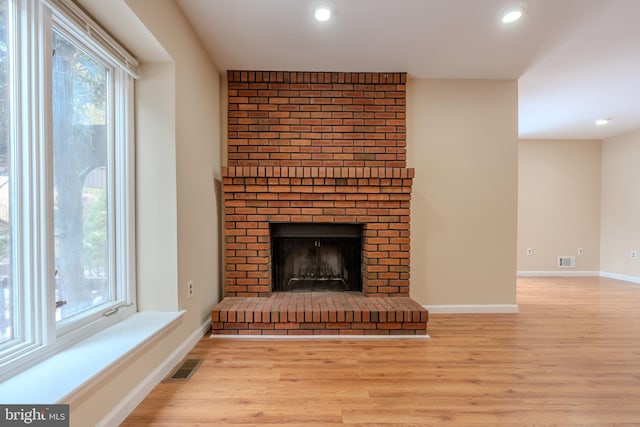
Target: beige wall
[(620, 211), (558, 204), (156, 224), (178, 156), (462, 141), (195, 114)]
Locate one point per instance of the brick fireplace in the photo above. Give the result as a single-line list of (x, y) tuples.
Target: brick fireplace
[(314, 148)]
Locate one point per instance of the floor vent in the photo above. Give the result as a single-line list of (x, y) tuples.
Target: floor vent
[(566, 262), (184, 372)]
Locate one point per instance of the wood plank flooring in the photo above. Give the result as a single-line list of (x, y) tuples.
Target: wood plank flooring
[(571, 357)]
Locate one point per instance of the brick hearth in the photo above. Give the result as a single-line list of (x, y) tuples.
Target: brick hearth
[(319, 313), (316, 148)]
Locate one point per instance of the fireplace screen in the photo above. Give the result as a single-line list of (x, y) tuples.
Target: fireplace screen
[(316, 257)]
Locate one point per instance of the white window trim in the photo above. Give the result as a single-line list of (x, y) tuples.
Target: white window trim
[(42, 338)]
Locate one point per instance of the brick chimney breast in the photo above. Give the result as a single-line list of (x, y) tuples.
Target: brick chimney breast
[(316, 147)]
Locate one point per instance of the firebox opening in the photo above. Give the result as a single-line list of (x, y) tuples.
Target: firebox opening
[(316, 257)]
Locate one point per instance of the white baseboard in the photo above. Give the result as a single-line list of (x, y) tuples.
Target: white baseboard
[(472, 308), (118, 414), (632, 279), (616, 276), (558, 273)]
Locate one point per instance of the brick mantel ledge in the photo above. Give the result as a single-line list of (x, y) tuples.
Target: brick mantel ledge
[(316, 172)]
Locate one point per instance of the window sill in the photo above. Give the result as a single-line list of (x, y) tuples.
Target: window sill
[(64, 375)]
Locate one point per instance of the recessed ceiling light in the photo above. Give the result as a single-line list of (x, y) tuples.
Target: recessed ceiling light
[(512, 16), (322, 13), (514, 12), (602, 122)]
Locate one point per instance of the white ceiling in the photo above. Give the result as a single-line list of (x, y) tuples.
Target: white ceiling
[(575, 60)]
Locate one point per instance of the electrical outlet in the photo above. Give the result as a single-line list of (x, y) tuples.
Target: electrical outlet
[(190, 288), (580, 251), (633, 255), (529, 251)]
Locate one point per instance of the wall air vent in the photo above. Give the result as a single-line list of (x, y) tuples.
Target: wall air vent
[(566, 262)]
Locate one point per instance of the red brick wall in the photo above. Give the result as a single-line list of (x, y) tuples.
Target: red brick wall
[(316, 147), (316, 119)]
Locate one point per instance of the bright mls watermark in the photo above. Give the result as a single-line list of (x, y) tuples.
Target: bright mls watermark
[(34, 415)]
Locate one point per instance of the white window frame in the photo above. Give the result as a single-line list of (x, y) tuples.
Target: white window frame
[(37, 335)]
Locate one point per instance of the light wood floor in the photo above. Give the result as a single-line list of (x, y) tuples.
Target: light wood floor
[(571, 357)]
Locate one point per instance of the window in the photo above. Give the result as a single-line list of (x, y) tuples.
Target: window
[(67, 268), (80, 184)]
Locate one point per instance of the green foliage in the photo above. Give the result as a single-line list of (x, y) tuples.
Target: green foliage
[(95, 231)]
